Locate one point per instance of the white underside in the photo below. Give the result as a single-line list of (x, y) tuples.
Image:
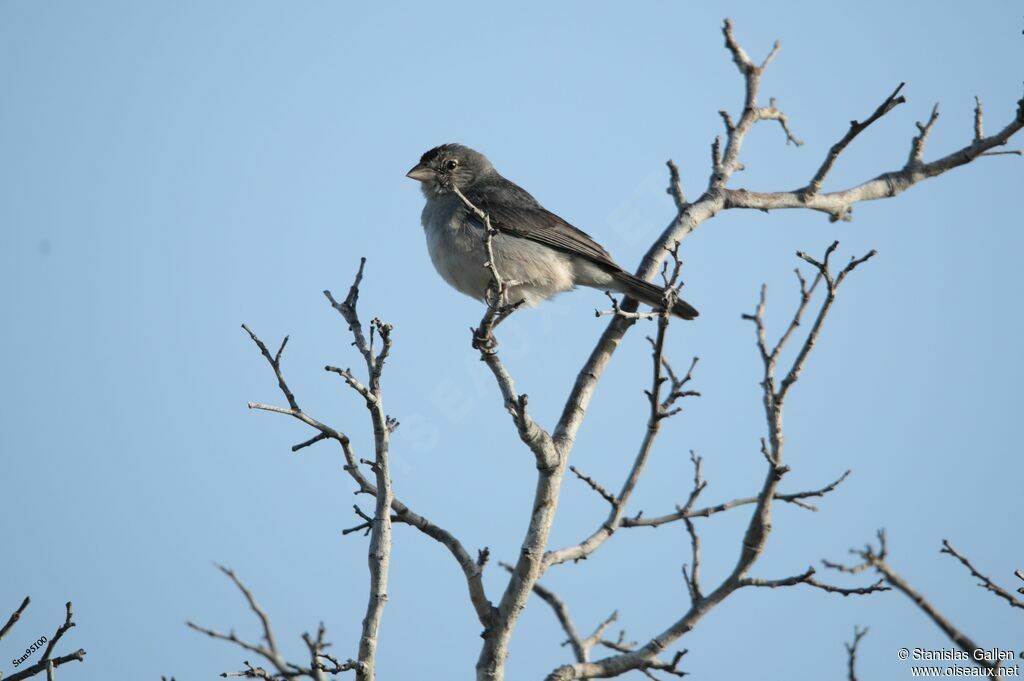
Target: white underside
[(533, 271)]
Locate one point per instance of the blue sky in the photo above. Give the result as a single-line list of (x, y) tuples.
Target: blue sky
[(172, 170)]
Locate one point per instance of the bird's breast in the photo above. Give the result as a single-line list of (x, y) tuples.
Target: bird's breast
[(533, 271), (456, 247)]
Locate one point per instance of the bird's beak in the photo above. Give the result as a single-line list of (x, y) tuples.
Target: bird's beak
[(420, 173)]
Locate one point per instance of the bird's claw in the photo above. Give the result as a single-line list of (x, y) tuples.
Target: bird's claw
[(484, 341)]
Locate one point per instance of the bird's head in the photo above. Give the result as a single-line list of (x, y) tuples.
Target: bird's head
[(449, 164)]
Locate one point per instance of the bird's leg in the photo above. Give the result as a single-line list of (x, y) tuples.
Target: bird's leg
[(483, 335), (497, 294), (505, 311)]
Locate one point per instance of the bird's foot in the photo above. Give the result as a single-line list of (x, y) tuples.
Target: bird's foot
[(484, 341)]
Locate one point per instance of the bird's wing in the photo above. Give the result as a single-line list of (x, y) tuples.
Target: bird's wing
[(514, 211)]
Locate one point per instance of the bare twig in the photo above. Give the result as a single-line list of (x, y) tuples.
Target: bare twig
[(708, 511), (15, 616), (851, 652), (772, 113), (596, 486), (268, 632), (979, 125), (689, 216), (46, 662), (268, 650), (875, 558), (61, 630), (759, 526), (275, 364), (581, 646), (856, 127), (983, 581), (812, 337), (336, 667), (619, 311), (675, 186), (380, 527), (551, 467), (42, 665), (250, 672), (659, 409), (838, 205), (728, 161), (402, 512), (693, 578), (580, 651), (917, 145), (807, 577)]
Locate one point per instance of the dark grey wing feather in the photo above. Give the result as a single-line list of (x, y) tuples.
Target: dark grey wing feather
[(514, 211)]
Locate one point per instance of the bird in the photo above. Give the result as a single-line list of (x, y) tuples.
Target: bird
[(537, 253)]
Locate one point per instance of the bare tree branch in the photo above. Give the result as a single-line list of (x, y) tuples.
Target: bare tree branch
[(250, 672), (15, 616), (708, 511), (772, 113), (675, 187), (268, 650), (759, 527), (812, 337), (618, 311), (472, 572), (61, 630), (979, 125), (917, 145), (596, 486), (582, 647), (693, 578), (851, 652), (856, 128), (551, 466), (839, 204), (380, 535), (46, 662), (580, 651), (498, 309), (551, 450), (380, 524), (752, 112), (984, 581), (659, 409), (872, 558), (807, 577), (42, 665), (718, 197), (268, 633)]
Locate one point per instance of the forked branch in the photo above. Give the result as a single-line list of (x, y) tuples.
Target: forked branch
[(875, 558), (268, 649), (646, 657), (47, 662)]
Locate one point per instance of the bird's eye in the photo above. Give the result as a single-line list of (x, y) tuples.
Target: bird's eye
[(451, 164)]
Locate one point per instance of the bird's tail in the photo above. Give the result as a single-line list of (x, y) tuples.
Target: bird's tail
[(649, 293)]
